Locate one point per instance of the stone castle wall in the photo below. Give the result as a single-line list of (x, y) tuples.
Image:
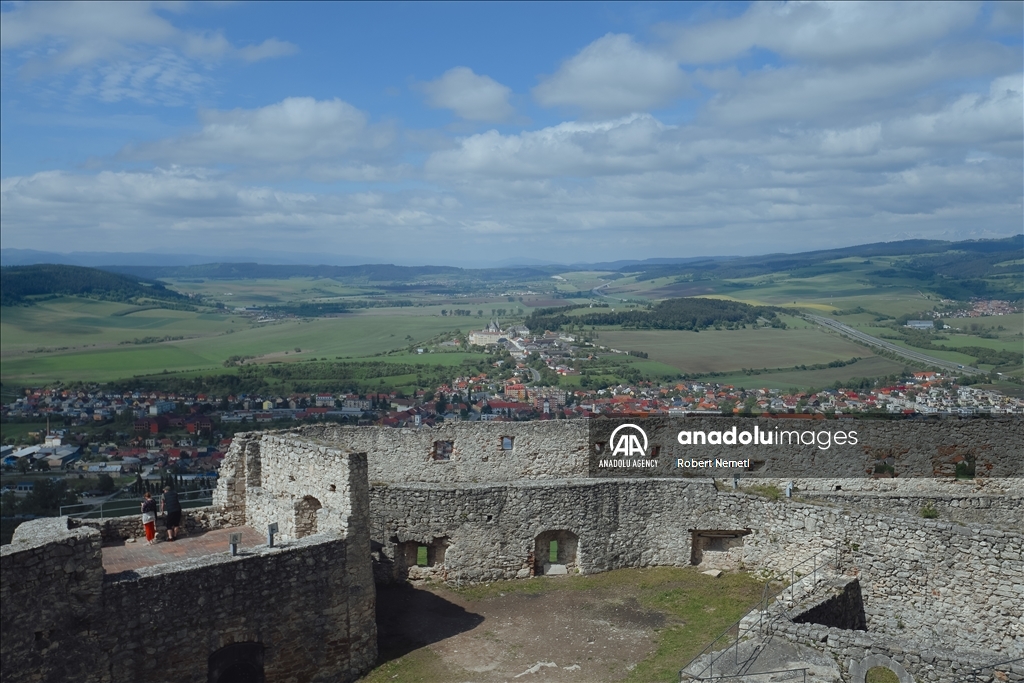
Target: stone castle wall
[(305, 607), (540, 450), (917, 574), (859, 651), (486, 512), (561, 449)]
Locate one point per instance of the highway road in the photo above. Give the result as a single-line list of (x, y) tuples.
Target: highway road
[(852, 333)]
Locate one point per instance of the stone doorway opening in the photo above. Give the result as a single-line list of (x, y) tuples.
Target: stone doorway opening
[(306, 516), (555, 552), (236, 663), (717, 548)]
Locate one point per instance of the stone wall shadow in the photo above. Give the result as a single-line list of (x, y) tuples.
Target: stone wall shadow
[(409, 618)]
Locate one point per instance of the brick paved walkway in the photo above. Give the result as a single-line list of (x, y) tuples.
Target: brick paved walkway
[(119, 557)]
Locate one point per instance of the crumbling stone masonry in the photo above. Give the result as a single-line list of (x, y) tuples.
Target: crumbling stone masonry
[(455, 503), (302, 611)]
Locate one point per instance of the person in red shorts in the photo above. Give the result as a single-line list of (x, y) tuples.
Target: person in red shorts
[(149, 516)]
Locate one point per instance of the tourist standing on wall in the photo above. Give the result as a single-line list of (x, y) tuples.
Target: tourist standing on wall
[(149, 516), (170, 504)]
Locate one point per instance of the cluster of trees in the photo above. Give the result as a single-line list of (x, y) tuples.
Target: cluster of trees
[(815, 366), (306, 309), (460, 311), (690, 313), (19, 283), (175, 481), (924, 340), (45, 499)]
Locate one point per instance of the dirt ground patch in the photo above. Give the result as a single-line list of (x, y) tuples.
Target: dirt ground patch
[(640, 625)]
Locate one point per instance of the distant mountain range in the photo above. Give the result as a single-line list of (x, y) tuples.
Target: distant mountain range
[(96, 259), (987, 267), (102, 259)]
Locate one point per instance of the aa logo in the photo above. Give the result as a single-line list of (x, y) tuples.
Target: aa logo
[(628, 443)]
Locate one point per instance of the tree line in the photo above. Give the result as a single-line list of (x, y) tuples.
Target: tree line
[(690, 313)]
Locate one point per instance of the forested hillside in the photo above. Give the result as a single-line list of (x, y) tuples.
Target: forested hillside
[(19, 284)]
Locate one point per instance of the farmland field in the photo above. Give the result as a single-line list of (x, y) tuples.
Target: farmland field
[(726, 350), (351, 335), (875, 366)]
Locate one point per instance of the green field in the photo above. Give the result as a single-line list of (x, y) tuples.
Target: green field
[(78, 339), (727, 350), (361, 334), (874, 366)]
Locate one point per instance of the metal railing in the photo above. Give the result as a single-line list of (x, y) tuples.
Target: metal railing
[(796, 673), (121, 507), (771, 590)]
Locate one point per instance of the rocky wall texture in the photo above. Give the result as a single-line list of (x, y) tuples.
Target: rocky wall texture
[(558, 449), (858, 651), (813, 449), (303, 611), (63, 620), (491, 529), (539, 450), (1002, 511), (52, 598), (300, 601), (916, 575)]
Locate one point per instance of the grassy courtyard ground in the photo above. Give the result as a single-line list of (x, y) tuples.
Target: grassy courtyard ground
[(624, 625)]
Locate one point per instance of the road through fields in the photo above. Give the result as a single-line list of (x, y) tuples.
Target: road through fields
[(848, 331)]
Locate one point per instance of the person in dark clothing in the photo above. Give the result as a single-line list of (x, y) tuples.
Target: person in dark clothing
[(170, 504)]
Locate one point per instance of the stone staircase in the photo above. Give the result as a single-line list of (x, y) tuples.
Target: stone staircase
[(755, 655)]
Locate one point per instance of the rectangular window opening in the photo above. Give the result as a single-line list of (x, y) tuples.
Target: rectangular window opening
[(506, 443), (421, 555), (442, 450), (553, 552)]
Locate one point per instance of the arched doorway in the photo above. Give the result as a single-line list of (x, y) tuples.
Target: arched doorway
[(306, 516), (236, 663), (554, 552)]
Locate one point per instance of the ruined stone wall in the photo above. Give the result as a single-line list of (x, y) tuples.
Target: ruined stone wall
[(539, 450), (917, 448), (858, 651), (560, 448), (306, 605), (1001, 511), (294, 477), (491, 529), (917, 575), (301, 601), (51, 596), (63, 620)]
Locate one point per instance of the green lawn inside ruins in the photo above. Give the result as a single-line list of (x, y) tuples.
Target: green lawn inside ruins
[(622, 625)]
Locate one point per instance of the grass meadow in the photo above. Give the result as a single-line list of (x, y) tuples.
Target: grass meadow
[(874, 366), (354, 335), (727, 350)]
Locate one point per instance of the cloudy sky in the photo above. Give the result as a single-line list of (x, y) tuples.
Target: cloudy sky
[(470, 134)]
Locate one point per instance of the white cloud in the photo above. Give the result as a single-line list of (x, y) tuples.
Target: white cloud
[(809, 94), (613, 76), (297, 129), (823, 31), (98, 39), (635, 143), (470, 96)]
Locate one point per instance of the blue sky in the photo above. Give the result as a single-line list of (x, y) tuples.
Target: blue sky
[(471, 134)]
